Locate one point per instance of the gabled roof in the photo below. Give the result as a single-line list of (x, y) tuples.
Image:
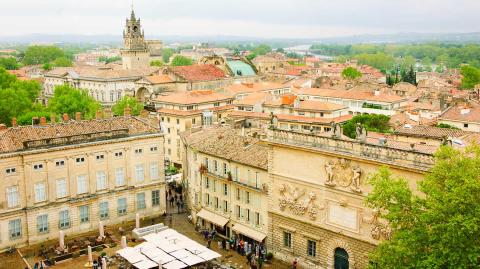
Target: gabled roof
[(193, 97), (199, 72), (225, 142), (469, 112), (354, 95), (13, 139)]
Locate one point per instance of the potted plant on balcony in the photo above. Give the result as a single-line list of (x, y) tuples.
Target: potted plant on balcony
[(229, 176), (203, 169)]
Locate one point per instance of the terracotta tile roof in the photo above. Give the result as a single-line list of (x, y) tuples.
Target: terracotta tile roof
[(193, 97), (186, 113), (13, 139), (429, 131), (319, 106), (199, 72), (225, 142), (159, 79), (355, 95), (464, 113), (288, 118), (253, 87)]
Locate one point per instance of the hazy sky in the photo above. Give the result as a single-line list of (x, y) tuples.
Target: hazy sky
[(255, 18)]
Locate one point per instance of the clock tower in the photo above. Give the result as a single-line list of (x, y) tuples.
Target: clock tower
[(135, 53)]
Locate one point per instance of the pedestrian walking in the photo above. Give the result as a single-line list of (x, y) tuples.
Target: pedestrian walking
[(295, 263)]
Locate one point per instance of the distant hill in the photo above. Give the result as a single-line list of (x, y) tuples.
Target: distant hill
[(383, 38)]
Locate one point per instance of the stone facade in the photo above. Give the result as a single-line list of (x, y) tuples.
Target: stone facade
[(317, 191), (71, 187)]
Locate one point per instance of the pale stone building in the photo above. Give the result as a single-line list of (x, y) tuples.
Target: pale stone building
[(182, 111), (226, 175), (68, 176), (317, 190)]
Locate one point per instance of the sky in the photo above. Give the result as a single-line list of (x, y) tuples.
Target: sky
[(247, 18)]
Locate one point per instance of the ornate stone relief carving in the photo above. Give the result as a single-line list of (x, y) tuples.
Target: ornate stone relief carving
[(291, 200), (343, 174), (379, 229)]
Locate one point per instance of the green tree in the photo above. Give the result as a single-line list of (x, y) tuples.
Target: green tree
[(251, 56), (166, 54), (262, 49), (281, 50), (16, 96), (471, 77), (67, 99), (119, 108), (409, 76), (351, 73), (439, 228), (26, 118), (9, 63), (156, 63), (427, 64), (47, 66), (108, 60), (62, 62), (180, 60), (374, 123), (42, 54), (447, 126)]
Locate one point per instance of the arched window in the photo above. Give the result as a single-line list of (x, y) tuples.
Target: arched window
[(341, 259)]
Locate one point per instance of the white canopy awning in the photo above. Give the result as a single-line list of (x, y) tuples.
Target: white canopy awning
[(212, 217), (247, 231), (146, 264), (132, 255), (176, 264)]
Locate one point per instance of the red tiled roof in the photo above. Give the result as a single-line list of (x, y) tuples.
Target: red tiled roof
[(185, 113), (199, 72), (289, 118), (193, 97), (455, 113)]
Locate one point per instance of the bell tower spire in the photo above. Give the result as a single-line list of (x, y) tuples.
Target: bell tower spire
[(135, 51)]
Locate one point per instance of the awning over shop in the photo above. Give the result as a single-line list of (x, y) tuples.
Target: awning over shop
[(212, 217), (247, 231)]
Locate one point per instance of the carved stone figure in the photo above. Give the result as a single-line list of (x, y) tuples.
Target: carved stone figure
[(329, 169), (361, 132), (357, 174), (337, 130), (292, 202), (379, 229)]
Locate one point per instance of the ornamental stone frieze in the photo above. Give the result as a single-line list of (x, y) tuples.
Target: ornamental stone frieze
[(292, 200), (344, 174), (379, 230)]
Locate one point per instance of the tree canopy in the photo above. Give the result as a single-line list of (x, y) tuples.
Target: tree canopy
[(42, 54), (9, 63), (157, 63), (166, 54), (351, 73), (374, 123), (471, 77), (438, 228), (16, 96), (180, 60), (108, 60), (71, 100), (119, 108), (62, 62)]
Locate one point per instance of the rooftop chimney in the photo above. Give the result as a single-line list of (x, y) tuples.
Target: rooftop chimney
[(78, 116), (53, 118), (144, 113), (14, 122), (98, 114), (65, 117), (35, 121), (127, 112), (107, 113), (465, 111), (43, 121)]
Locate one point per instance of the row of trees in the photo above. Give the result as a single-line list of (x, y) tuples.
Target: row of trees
[(48, 56), (443, 54), (18, 99)]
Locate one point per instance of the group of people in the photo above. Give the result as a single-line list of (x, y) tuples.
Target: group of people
[(175, 199)]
